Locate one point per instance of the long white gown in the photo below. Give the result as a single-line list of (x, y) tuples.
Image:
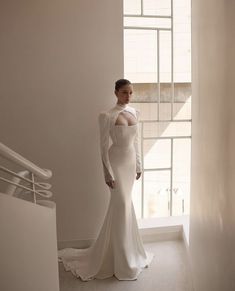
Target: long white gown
[(118, 250)]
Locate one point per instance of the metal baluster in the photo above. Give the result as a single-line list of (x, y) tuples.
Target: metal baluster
[(33, 188)]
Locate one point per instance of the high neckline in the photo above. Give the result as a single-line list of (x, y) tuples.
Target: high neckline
[(121, 106)]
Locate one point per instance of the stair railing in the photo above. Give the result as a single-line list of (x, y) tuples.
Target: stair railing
[(26, 179)]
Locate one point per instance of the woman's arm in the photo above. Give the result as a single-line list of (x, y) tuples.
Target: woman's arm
[(137, 147), (104, 125)]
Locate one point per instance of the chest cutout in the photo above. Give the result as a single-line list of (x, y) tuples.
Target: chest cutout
[(126, 119)]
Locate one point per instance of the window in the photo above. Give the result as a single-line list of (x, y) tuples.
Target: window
[(157, 60)]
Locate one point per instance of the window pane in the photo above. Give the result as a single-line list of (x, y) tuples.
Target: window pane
[(181, 176), (140, 61), (165, 56), (147, 22), (165, 111), (148, 111), (156, 189), (182, 104), (145, 92), (157, 7), (182, 40), (182, 110), (182, 92), (165, 92), (167, 129), (132, 6), (157, 154)]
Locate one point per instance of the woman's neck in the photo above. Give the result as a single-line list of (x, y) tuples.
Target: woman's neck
[(121, 104)]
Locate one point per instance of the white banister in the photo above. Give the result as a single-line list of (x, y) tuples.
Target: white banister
[(24, 180), (13, 156), (28, 230)]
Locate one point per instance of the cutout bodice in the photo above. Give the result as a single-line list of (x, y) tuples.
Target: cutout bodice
[(120, 135)]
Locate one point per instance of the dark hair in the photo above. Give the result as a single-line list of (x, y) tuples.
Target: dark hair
[(120, 83)]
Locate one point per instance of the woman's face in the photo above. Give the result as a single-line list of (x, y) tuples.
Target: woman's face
[(124, 94)]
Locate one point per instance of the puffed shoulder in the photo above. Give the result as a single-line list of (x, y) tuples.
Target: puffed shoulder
[(134, 111), (103, 116), (103, 113)]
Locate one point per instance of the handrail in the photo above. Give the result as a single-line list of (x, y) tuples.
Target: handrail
[(43, 193), (11, 155), (22, 176), (13, 190)]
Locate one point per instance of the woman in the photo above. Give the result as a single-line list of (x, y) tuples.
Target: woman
[(118, 251)]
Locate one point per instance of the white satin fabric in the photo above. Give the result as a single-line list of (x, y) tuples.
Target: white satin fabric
[(118, 249), (107, 122)]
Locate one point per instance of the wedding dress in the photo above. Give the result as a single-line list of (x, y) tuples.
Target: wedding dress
[(118, 250)]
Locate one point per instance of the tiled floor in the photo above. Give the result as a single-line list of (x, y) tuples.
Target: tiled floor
[(168, 272)]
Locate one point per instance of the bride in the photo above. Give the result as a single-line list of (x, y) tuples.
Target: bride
[(118, 250)]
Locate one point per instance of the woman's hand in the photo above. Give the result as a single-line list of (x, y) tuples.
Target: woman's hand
[(111, 183), (138, 175)]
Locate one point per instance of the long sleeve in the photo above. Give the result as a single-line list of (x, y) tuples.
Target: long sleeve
[(104, 125), (137, 146)]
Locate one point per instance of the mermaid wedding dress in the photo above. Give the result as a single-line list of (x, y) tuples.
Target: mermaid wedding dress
[(118, 250)]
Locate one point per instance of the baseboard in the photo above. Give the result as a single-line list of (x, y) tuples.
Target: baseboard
[(147, 234), (161, 233)]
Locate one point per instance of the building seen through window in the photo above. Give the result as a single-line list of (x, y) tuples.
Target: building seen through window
[(157, 60)]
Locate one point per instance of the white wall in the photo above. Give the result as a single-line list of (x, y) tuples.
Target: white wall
[(230, 223), (212, 198), (28, 245), (58, 64)]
